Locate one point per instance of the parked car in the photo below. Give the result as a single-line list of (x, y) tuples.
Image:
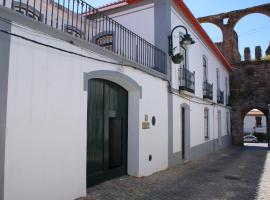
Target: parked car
[(250, 138)]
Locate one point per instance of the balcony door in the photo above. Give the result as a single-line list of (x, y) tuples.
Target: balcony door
[(204, 69), (106, 131), (218, 79)]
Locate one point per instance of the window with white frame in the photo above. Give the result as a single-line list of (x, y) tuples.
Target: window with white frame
[(218, 82), (226, 89), (206, 123), (258, 122), (228, 122), (204, 68)]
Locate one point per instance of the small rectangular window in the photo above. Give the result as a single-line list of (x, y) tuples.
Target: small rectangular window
[(218, 83), (228, 123), (206, 123), (204, 69), (258, 122)]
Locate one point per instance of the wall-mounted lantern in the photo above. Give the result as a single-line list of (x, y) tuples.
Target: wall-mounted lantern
[(184, 40)]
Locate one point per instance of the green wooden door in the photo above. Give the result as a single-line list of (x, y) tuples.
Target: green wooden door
[(106, 131)]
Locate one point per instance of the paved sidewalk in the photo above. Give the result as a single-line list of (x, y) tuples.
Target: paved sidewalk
[(239, 173)]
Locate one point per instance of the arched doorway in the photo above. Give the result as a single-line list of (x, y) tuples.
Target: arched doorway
[(255, 128), (134, 91), (238, 118), (107, 123), (185, 131)]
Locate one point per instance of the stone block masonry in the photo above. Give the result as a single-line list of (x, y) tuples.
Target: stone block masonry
[(250, 88)]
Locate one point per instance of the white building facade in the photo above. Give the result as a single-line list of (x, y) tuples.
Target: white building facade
[(154, 20), (255, 122), (78, 110)]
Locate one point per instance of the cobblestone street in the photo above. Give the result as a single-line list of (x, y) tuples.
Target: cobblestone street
[(234, 173)]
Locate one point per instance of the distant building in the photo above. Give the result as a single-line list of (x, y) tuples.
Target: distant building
[(255, 121)]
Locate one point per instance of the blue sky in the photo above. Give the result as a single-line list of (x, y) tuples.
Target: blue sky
[(252, 30)]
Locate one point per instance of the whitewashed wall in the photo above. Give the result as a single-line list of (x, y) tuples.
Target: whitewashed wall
[(4, 67), (46, 120), (195, 58), (139, 19), (250, 123), (132, 18), (195, 63)]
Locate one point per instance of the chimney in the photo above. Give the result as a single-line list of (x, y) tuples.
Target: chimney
[(247, 54), (258, 52)]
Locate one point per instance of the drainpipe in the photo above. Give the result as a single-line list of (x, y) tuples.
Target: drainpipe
[(214, 143)]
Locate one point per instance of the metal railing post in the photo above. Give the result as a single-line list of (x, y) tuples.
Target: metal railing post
[(71, 16)]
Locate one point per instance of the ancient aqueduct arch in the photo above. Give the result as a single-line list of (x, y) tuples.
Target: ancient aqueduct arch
[(226, 22), (249, 81)]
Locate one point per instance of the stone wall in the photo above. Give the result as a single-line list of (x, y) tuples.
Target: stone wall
[(250, 80), (250, 88)]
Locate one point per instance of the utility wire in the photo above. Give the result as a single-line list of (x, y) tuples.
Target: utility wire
[(248, 32), (63, 50), (92, 58)]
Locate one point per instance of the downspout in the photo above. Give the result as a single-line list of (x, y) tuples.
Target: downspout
[(214, 143)]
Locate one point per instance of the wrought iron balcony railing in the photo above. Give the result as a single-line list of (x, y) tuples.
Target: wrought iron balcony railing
[(81, 20), (187, 80), (207, 90), (220, 96)]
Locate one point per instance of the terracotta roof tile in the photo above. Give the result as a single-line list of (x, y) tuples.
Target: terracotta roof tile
[(113, 5)]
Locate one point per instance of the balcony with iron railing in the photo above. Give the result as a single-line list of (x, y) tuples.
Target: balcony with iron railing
[(207, 90), (220, 96), (83, 21), (187, 80)]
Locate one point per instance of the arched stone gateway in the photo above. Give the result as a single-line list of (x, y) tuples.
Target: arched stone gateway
[(250, 88), (226, 22), (250, 82)]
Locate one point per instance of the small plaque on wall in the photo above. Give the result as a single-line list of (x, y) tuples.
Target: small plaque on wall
[(145, 125)]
